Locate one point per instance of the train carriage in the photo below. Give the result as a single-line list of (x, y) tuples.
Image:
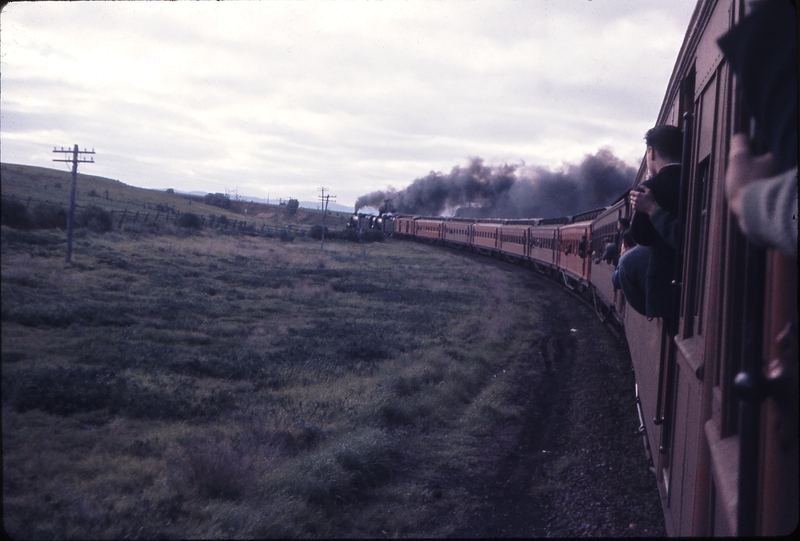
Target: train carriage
[(542, 242), (573, 255), (485, 236), (604, 227), (513, 241), (458, 231), (404, 225), (429, 228)]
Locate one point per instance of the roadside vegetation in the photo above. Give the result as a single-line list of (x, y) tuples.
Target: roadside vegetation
[(184, 383)]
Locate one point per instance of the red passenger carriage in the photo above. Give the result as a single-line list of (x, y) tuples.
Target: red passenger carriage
[(458, 231), (573, 258), (485, 236)]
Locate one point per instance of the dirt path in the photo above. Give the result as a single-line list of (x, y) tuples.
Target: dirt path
[(575, 466)]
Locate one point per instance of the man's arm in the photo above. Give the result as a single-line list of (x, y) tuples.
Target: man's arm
[(664, 222), (667, 226), (768, 212), (766, 205)]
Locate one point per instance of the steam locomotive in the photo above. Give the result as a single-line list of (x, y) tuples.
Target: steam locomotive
[(717, 395)]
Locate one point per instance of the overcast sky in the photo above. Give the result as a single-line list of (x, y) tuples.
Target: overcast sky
[(279, 98)]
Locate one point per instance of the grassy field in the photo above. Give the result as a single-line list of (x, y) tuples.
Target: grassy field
[(51, 186), (180, 385)]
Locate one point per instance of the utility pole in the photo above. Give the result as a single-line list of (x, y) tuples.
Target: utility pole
[(76, 159), (324, 204)]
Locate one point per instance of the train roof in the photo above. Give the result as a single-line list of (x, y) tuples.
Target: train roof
[(555, 221), (589, 215)]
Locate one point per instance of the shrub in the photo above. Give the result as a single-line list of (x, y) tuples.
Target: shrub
[(65, 390), (315, 232), (286, 236), (218, 200), (50, 216), (214, 468), (95, 219), (349, 235), (291, 207), (371, 235), (189, 220), (16, 215), (92, 193)]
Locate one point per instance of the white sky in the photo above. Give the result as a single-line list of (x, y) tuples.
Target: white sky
[(281, 97)]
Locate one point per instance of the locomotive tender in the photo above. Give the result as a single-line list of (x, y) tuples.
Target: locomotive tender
[(718, 393)]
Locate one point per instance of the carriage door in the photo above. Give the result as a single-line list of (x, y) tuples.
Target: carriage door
[(687, 408)]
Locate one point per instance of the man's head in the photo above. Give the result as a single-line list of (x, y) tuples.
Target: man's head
[(664, 145), (623, 224), (627, 239)]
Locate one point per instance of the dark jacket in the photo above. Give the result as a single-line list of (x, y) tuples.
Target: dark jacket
[(661, 232), (610, 254)]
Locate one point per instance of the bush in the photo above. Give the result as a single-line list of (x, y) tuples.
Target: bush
[(95, 219), (316, 232), (189, 220), (349, 234), (291, 207), (65, 390), (286, 236), (16, 215), (372, 235), (50, 216), (218, 200), (214, 468)]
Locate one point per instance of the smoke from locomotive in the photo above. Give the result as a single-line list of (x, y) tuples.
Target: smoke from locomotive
[(511, 191)]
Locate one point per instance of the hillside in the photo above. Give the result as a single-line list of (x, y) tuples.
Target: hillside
[(40, 185)]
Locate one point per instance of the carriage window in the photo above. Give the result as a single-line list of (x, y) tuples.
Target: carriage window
[(697, 250)]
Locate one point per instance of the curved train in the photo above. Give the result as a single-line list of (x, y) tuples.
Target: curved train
[(718, 393)]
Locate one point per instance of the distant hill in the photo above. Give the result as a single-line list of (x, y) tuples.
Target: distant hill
[(35, 185), (332, 207)]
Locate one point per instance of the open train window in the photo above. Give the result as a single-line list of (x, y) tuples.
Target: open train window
[(698, 238)]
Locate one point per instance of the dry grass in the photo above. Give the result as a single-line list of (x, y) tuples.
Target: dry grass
[(217, 386)]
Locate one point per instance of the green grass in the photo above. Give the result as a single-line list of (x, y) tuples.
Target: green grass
[(222, 386)]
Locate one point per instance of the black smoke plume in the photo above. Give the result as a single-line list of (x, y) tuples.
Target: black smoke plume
[(510, 191)]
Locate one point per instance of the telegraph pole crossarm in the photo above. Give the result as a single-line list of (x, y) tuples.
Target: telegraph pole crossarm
[(75, 160)]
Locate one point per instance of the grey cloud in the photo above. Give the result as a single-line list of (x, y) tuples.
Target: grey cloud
[(301, 97)]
